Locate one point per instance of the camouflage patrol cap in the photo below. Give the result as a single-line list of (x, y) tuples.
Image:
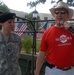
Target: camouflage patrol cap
[(6, 16)]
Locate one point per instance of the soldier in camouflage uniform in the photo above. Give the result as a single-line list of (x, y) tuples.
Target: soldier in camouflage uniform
[(10, 46)]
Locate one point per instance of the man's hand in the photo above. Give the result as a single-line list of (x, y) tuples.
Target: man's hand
[(69, 26)]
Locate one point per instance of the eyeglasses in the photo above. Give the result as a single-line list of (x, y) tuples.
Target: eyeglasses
[(60, 12)]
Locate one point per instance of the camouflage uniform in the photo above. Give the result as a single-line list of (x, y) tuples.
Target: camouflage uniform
[(9, 55)]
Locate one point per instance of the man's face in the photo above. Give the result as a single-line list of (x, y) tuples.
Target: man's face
[(60, 14)]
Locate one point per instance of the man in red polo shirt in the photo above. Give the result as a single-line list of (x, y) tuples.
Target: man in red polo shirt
[(57, 45)]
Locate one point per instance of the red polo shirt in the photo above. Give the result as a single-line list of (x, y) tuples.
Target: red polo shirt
[(58, 43)]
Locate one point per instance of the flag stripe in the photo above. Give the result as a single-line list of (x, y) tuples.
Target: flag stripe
[(20, 30), (41, 30)]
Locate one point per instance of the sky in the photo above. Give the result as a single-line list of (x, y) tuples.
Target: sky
[(21, 5)]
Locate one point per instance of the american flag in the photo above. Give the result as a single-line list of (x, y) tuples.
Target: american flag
[(41, 30), (20, 28)]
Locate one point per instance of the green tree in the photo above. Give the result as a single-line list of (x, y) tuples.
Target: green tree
[(3, 7), (29, 17)]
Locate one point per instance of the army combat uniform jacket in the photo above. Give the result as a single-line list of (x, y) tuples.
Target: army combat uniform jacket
[(9, 54)]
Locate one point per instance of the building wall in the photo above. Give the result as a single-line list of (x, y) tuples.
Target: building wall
[(43, 15)]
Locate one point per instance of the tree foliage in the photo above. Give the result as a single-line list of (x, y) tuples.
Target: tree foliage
[(3, 7), (35, 3), (30, 17), (27, 44)]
